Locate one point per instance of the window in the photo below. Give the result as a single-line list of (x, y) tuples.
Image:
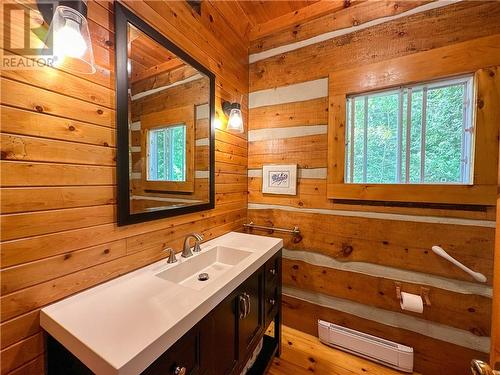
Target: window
[(167, 153), (418, 134)]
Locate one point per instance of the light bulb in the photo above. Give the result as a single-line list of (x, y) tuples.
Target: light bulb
[(69, 38), (235, 122), (68, 41)]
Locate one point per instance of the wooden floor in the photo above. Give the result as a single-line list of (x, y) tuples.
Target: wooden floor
[(304, 354)]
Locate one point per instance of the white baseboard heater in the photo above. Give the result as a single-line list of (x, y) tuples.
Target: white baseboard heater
[(374, 348)]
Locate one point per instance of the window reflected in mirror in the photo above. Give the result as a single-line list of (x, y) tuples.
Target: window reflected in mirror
[(169, 132), (166, 156)]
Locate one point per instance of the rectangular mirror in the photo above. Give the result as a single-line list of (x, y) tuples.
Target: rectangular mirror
[(165, 110)]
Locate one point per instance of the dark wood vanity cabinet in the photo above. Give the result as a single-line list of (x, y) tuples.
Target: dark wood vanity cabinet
[(221, 343)]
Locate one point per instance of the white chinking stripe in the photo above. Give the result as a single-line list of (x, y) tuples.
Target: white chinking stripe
[(392, 273), (202, 142), (164, 199), (283, 133), (202, 112), (201, 174), (376, 215), (161, 88), (316, 173), (398, 320), (135, 126), (332, 34), (289, 94)]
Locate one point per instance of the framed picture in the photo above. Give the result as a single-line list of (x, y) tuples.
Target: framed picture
[(279, 179)]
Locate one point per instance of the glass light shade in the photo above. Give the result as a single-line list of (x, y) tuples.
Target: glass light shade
[(72, 47), (235, 122)]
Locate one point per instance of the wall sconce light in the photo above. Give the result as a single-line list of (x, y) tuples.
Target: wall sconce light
[(235, 121), (71, 43)]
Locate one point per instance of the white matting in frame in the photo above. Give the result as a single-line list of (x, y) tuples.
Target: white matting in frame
[(279, 179)]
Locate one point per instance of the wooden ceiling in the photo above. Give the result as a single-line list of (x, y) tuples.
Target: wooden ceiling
[(148, 58), (263, 11), (253, 19)]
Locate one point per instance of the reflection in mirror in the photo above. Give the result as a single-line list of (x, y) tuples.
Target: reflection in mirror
[(168, 128)]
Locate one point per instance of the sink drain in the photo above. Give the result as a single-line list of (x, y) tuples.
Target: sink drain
[(203, 276)]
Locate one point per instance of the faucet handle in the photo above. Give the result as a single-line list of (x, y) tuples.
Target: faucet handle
[(171, 255), (199, 237)]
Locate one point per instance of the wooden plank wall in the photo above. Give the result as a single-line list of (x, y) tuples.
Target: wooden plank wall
[(345, 267), (58, 175)]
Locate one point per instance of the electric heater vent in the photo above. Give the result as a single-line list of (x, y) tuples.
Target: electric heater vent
[(385, 352)]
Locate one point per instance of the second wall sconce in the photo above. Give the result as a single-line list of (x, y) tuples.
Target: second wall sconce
[(235, 121)]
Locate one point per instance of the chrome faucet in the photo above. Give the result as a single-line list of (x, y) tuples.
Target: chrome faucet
[(186, 250)]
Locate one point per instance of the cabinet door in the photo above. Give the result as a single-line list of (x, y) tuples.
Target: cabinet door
[(224, 337), (250, 322)]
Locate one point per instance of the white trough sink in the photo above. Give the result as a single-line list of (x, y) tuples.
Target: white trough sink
[(214, 262)]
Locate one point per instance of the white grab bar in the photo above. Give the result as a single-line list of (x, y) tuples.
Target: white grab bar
[(476, 275)]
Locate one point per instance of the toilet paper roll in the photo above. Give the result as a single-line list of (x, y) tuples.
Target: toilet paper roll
[(412, 302)]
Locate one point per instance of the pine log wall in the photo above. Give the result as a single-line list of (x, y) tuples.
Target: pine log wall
[(58, 225), (345, 268)]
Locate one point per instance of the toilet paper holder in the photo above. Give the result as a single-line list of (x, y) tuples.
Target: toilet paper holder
[(424, 293)]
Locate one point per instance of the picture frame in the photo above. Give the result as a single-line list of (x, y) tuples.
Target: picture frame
[(279, 179)]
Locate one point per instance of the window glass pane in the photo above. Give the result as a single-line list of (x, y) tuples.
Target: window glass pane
[(443, 145), (383, 112), (416, 135), (348, 141), (404, 120), (359, 139), (167, 154)]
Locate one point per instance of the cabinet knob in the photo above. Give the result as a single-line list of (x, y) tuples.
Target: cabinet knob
[(272, 301), (180, 370), (272, 271)]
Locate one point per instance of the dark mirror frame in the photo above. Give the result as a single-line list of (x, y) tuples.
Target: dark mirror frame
[(123, 17)]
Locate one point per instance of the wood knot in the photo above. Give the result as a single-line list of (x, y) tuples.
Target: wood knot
[(347, 250), (477, 331), (106, 144), (67, 256), (109, 43), (39, 108), (106, 251), (100, 111), (210, 18), (471, 309), (491, 73), (295, 267), (71, 128), (480, 103)]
